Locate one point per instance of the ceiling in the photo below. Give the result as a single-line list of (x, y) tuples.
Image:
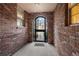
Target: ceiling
[(37, 7)]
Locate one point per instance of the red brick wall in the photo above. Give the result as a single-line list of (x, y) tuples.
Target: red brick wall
[(28, 25), (49, 18), (66, 37), (11, 37)]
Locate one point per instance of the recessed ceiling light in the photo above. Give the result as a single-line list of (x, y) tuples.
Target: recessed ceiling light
[(37, 4)]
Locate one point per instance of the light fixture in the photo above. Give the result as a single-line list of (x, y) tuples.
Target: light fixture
[(37, 4)]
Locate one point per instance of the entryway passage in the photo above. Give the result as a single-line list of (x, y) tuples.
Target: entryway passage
[(37, 49)]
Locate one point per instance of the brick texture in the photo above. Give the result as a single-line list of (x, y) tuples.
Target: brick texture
[(66, 37), (11, 37)]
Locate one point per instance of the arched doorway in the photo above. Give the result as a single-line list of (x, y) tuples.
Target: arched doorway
[(40, 29)]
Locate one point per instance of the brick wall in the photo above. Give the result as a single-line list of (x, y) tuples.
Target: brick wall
[(11, 37), (66, 37), (49, 18), (28, 25)]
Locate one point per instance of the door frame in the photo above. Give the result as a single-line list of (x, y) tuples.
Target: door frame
[(41, 30)]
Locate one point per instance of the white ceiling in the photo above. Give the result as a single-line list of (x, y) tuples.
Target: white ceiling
[(37, 7)]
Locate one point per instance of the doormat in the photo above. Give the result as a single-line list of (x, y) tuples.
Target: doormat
[(39, 44)]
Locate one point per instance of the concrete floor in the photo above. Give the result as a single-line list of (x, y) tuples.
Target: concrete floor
[(40, 49)]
